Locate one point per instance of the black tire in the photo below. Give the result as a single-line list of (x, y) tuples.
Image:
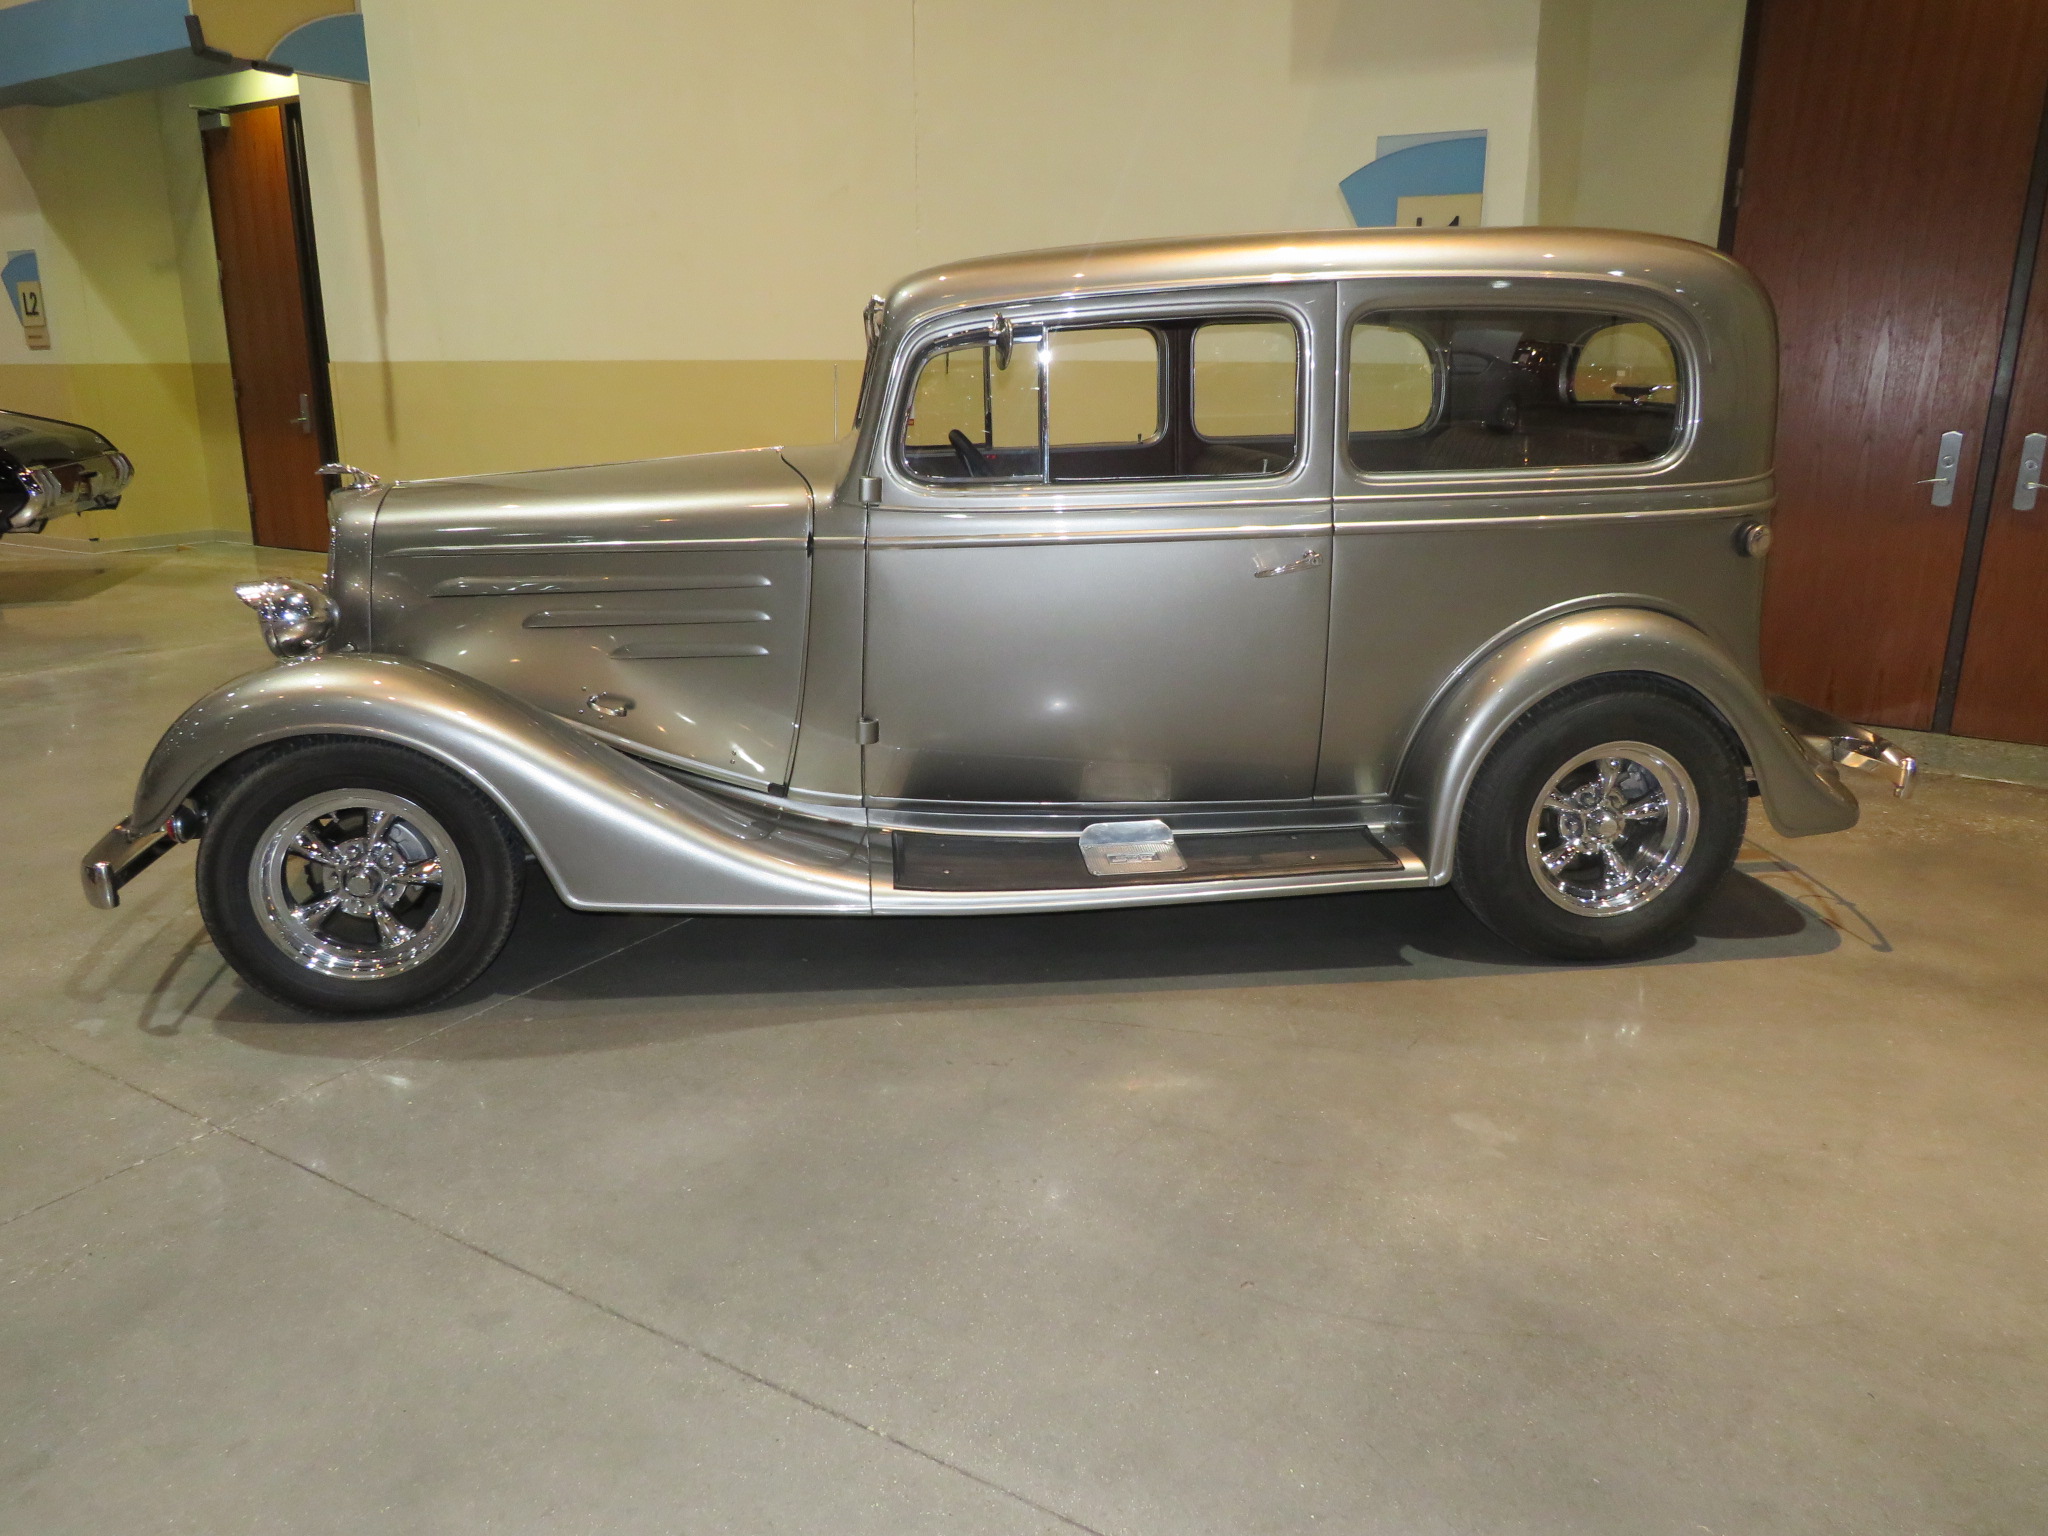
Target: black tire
[(1503, 836), (453, 916)]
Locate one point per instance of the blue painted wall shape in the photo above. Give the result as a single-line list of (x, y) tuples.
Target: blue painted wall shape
[(1414, 165), (331, 46), (20, 268), (55, 52)]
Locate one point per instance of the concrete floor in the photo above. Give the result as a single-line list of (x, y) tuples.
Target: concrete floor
[(1293, 1216)]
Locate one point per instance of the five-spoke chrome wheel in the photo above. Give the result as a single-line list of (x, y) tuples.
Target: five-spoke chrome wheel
[(1613, 829), (357, 883)]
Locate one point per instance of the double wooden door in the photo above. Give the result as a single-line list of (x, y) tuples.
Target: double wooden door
[(1893, 167)]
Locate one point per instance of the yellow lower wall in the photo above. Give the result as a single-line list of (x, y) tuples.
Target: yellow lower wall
[(419, 420), (176, 421)]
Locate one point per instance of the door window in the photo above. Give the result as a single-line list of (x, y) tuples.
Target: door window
[(974, 414), (1172, 399), (1104, 388), (1494, 389), (1246, 394)]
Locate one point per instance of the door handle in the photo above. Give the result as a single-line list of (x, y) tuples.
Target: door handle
[(304, 420), (1947, 459), (1306, 561), (2033, 449)]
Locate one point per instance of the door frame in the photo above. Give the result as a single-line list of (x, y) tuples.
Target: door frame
[(1032, 519)]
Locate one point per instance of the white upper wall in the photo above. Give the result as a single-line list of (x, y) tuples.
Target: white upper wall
[(1637, 97), (654, 179)]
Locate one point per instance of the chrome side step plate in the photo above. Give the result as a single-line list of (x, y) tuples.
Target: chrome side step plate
[(1116, 856)]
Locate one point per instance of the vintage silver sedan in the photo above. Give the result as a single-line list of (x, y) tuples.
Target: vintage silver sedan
[(1167, 572)]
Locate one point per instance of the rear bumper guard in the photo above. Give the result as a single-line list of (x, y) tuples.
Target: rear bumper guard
[(1831, 739), (118, 858)]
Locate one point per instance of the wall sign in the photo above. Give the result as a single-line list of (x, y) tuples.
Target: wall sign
[(1420, 179), (24, 285)]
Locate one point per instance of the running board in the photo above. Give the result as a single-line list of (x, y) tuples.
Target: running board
[(938, 862)]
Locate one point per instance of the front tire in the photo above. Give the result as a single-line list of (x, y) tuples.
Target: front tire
[(356, 877), (1601, 822)]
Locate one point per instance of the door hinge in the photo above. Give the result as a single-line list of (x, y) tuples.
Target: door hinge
[(869, 731)]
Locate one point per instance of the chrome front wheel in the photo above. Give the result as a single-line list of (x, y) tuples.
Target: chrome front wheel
[(357, 877), (1613, 829), (358, 883)]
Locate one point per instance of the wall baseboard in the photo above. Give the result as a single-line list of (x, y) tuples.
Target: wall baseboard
[(57, 543)]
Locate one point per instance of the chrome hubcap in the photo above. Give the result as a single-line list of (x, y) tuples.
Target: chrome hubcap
[(357, 883), (1613, 829)]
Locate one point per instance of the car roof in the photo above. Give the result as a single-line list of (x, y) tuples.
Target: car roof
[(1678, 267)]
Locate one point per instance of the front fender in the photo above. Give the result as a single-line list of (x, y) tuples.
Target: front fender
[(611, 832), (1801, 796)]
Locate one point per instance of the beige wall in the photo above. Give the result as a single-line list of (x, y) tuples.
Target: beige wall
[(695, 192), (1634, 103), (112, 196), (658, 240), (115, 208), (251, 28)]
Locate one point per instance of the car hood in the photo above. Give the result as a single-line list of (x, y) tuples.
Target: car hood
[(688, 496)]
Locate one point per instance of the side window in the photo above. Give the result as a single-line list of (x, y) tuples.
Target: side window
[(1105, 387), (1201, 397), (974, 415), (1631, 362), (1500, 389), (1393, 380), (1246, 379)]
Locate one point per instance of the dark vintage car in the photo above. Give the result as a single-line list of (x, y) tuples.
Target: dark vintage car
[(1182, 571), (48, 468)]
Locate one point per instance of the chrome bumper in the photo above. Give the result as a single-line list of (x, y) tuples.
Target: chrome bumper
[(1831, 739), (118, 858)]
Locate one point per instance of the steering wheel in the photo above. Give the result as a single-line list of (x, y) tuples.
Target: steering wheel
[(972, 459)]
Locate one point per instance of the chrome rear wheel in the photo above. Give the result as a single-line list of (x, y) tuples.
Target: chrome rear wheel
[(1613, 829), (1602, 820)]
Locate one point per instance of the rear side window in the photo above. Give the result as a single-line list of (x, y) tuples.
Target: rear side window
[(1198, 398), (1452, 390)]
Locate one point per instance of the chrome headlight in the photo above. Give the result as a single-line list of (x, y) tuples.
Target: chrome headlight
[(42, 492), (296, 617)]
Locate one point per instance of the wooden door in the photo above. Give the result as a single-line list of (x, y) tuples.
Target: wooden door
[(270, 291), (1885, 171), (2002, 691)]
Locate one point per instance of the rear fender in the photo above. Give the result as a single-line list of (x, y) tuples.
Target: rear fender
[(1801, 796), (611, 832)]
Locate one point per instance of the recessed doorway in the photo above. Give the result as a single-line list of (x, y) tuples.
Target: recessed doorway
[(270, 292)]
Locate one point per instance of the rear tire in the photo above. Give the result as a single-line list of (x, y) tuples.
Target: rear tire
[(1601, 822), (356, 877)]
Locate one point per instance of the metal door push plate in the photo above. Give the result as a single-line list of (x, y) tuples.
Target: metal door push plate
[(1130, 848)]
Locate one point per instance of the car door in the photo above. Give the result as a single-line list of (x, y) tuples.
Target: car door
[(1098, 569), (1476, 498)]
